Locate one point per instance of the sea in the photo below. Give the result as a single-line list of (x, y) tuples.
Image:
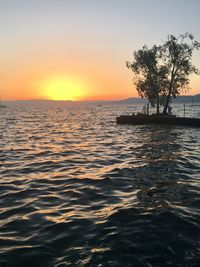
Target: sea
[(78, 190)]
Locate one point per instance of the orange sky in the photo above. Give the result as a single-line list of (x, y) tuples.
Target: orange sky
[(77, 51), (89, 74)]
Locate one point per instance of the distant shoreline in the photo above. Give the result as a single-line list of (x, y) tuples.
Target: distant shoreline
[(134, 100)]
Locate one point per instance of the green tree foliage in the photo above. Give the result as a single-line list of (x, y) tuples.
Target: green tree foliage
[(162, 72)]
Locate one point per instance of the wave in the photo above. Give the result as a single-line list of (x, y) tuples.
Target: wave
[(79, 190)]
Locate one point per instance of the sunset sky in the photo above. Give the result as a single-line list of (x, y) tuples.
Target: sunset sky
[(76, 49)]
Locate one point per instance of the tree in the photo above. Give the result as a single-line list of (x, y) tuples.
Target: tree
[(162, 72), (177, 56), (149, 74)]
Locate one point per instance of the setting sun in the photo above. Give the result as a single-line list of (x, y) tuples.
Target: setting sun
[(63, 88)]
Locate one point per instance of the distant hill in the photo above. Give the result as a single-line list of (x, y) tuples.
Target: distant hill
[(187, 98), (132, 100), (179, 99)]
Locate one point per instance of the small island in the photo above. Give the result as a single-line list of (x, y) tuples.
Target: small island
[(2, 105), (161, 73)]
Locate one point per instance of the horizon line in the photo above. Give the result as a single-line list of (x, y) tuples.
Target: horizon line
[(89, 100)]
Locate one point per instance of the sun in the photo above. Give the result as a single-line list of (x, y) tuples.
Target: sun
[(63, 88)]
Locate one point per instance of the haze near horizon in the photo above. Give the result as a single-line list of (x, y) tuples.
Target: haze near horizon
[(76, 50)]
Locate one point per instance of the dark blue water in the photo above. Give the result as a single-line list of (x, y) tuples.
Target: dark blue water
[(78, 190)]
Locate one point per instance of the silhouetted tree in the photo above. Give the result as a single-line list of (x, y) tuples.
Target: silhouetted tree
[(149, 74), (177, 56), (162, 72)]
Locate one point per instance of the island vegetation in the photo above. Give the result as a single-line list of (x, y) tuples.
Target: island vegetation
[(162, 71)]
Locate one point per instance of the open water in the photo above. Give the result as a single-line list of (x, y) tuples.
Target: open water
[(78, 190)]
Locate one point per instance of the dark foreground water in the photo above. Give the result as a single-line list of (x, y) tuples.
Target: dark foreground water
[(78, 190)]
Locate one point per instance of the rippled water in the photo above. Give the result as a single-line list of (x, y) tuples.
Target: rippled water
[(78, 190)]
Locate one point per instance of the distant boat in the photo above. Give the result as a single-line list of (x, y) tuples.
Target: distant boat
[(2, 105)]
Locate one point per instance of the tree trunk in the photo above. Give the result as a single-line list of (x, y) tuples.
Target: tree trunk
[(158, 105), (169, 94), (166, 104)]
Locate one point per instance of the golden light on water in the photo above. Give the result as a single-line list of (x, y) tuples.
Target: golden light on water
[(63, 88)]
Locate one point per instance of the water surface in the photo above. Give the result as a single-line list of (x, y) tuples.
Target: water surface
[(79, 190)]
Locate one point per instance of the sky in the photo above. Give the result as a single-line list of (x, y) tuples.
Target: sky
[(77, 49)]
